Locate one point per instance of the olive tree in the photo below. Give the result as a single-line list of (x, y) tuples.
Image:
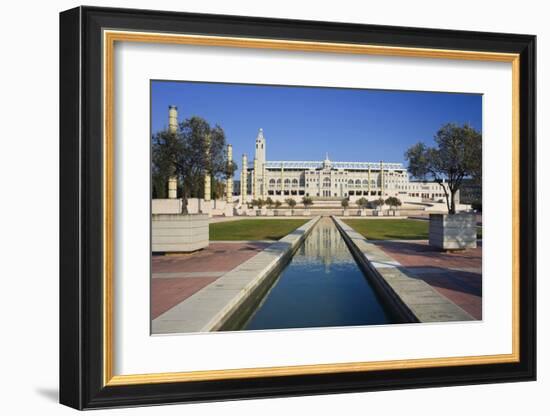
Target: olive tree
[(291, 203), (393, 202), (307, 201), (455, 156), (193, 151)]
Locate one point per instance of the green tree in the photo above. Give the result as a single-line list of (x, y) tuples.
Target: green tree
[(344, 203), (291, 203), (362, 202), (307, 201), (195, 150), (377, 202), (456, 156), (393, 201), (278, 204), (269, 202)]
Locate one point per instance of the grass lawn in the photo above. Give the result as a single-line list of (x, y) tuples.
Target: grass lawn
[(402, 229), (254, 229)]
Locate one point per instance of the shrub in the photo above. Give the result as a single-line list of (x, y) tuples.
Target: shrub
[(307, 201), (269, 202), (362, 202), (278, 204), (394, 202), (377, 203), (345, 203), (290, 202)]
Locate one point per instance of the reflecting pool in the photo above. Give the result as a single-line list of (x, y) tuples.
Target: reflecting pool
[(321, 286)]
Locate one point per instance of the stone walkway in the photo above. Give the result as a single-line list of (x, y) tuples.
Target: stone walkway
[(177, 277), (456, 275)]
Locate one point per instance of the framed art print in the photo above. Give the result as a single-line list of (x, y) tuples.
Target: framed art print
[(259, 207)]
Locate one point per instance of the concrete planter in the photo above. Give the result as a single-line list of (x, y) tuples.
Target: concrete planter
[(346, 213), (395, 213), (363, 213), (453, 232), (270, 213), (172, 233), (378, 213), (306, 212)]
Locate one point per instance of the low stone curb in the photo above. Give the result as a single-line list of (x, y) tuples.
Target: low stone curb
[(212, 306), (412, 299)]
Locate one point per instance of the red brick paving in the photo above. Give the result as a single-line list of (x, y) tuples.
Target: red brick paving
[(217, 257), (463, 287)]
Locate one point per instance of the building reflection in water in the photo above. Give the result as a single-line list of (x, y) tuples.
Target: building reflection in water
[(324, 245)]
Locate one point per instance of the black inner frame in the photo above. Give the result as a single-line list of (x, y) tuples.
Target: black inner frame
[(81, 199)]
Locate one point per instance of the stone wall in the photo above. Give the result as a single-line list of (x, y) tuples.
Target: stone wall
[(173, 233)]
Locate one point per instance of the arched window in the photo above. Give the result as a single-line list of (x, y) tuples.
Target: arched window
[(365, 183), (272, 183), (326, 183), (358, 183), (350, 182), (294, 183), (279, 182), (287, 182)]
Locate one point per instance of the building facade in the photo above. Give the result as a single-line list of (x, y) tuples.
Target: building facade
[(329, 179)]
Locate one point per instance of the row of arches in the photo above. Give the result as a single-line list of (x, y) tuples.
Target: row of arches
[(287, 182)]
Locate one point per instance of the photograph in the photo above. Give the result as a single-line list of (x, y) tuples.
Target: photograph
[(280, 207)]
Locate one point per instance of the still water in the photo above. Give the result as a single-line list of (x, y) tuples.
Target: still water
[(321, 286)]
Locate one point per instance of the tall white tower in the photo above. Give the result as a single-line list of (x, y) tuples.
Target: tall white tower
[(258, 186), (244, 177), (229, 183), (260, 148)]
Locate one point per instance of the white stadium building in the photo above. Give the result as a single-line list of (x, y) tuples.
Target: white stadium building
[(327, 179)]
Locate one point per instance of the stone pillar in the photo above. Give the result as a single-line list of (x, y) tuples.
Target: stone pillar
[(172, 128), (172, 187), (229, 182), (207, 178), (244, 179), (368, 185), (255, 193), (382, 178), (282, 179), (264, 182)]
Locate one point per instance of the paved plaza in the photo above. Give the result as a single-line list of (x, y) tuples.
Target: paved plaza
[(456, 275), (177, 277)]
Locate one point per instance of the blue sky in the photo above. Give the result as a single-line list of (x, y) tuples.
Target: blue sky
[(302, 123)]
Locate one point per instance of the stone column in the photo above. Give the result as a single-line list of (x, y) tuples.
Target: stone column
[(255, 180), (368, 185), (264, 182), (382, 178), (207, 178), (244, 179), (282, 180), (172, 128), (172, 187), (229, 182)]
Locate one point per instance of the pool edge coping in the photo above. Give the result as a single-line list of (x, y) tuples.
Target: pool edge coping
[(411, 299)]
